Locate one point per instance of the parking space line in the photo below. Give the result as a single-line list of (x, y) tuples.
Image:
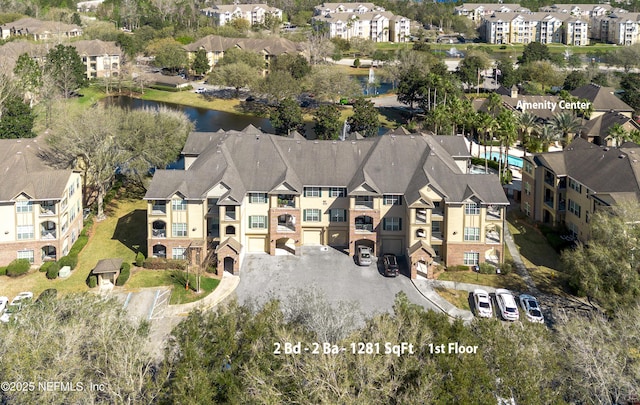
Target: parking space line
[(155, 300), (162, 299)]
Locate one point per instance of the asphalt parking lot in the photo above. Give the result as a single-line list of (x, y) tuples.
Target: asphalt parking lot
[(264, 277)]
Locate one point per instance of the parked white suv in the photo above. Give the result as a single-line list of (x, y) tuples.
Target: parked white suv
[(507, 305), (482, 303)]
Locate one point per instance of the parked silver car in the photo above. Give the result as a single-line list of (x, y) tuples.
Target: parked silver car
[(364, 256)]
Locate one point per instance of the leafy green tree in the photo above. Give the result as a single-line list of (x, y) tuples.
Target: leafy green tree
[(66, 69), (630, 83), (200, 64), (169, 54), (606, 270), (296, 65), (279, 85), (470, 67), (618, 134), (412, 86), (627, 57), (567, 124), (542, 72), (546, 135), (240, 24), (535, 51), (236, 75), (237, 55), (286, 117), (574, 61), (364, 118), (16, 120), (574, 80), (341, 45), (508, 76), (327, 122), (29, 76), (330, 84)]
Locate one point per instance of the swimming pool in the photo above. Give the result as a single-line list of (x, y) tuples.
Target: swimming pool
[(512, 160)]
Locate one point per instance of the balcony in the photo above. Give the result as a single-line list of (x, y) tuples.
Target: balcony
[(437, 237), (286, 201), (549, 202), (47, 209), (493, 213), (492, 237), (437, 214), (421, 216), (159, 229), (364, 203), (286, 223), (48, 230), (363, 223), (230, 214), (159, 209), (562, 184), (550, 180)]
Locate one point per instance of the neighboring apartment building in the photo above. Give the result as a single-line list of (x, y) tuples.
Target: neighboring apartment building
[(253, 13), (362, 20), (40, 207), (215, 47), (250, 192), (567, 187), (524, 28), (478, 11), (578, 10), (39, 30), (616, 28), (101, 59)]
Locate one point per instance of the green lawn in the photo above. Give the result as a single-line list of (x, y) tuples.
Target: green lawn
[(179, 294), (553, 48), (456, 297), (510, 281)]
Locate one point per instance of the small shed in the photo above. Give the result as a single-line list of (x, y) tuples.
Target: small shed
[(107, 271)]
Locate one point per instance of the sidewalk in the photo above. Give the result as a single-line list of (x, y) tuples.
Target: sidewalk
[(227, 285), (425, 287)]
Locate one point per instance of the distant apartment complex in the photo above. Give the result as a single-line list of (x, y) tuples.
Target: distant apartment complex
[(569, 24), (568, 187), (361, 20), (254, 14), (250, 192), (40, 207), (101, 58), (215, 47), (38, 30)]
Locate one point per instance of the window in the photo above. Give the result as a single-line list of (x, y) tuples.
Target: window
[(312, 215), (472, 209), (471, 234), (575, 185), (337, 192), (337, 215), (392, 199), (179, 253), (179, 229), (24, 206), (527, 188), (471, 258), (257, 221), (25, 232), (178, 205), (312, 192), (573, 228), (527, 209), (436, 227), (26, 254), (574, 208), (258, 198), (230, 230), (392, 224)]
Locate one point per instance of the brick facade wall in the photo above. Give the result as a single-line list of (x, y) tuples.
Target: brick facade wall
[(224, 252), (455, 252), (169, 244), (354, 235), (274, 235)]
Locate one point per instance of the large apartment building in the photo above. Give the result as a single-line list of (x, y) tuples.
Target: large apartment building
[(478, 11), (361, 20), (38, 30), (524, 28), (567, 187), (254, 14), (249, 192), (616, 28), (40, 207)]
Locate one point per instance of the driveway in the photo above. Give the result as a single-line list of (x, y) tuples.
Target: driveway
[(264, 277)]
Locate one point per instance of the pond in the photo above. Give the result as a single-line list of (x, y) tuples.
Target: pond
[(204, 120)]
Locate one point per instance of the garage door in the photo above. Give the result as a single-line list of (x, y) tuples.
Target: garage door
[(312, 237), (393, 246), (338, 238), (256, 245)]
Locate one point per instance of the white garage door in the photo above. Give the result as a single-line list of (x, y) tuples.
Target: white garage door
[(312, 237), (393, 246), (256, 245)]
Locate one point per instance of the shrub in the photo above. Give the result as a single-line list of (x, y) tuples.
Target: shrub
[(507, 267), (356, 63), (3, 271), (486, 268), (164, 264), (81, 242), (18, 267), (125, 271), (46, 265), (87, 225), (68, 260), (92, 281), (52, 270), (212, 268), (139, 259), (459, 267)]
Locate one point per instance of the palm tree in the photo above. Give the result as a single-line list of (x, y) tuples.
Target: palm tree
[(547, 134), (494, 104), (487, 125), (618, 134), (507, 133), (526, 125), (566, 123)]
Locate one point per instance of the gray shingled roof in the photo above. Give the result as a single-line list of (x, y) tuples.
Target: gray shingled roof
[(602, 98), (601, 169), (246, 161), (212, 43), (599, 126), (23, 171)]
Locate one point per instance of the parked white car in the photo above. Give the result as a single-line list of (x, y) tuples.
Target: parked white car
[(17, 303), (482, 303), (507, 305), (531, 308), (3, 303)]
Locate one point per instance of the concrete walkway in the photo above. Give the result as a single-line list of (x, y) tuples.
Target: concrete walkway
[(227, 285), (426, 289)]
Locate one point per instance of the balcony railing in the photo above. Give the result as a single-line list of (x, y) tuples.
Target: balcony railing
[(47, 210), (159, 233), (48, 234), (421, 217), (364, 227), (493, 214), (436, 236), (492, 237), (364, 204), (282, 203), (549, 203), (549, 181), (159, 210), (230, 216)]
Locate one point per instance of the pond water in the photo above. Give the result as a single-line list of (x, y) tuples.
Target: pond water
[(371, 90)]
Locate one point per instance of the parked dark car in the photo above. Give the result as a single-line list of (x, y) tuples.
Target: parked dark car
[(391, 268)]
